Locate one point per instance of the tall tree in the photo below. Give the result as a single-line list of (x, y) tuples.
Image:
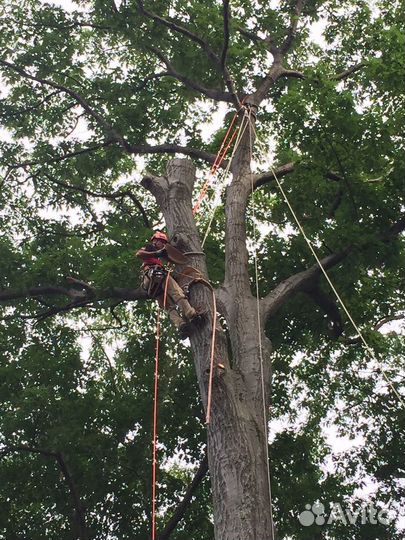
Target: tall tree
[(87, 91)]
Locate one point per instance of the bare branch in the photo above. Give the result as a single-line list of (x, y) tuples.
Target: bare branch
[(387, 320), (184, 504), (292, 74), (261, 179), (120, 194), (58, 159), (345, 74), (305, 280), (298, 282), (226, 15), (112, 133), (169, 148), (264, 178), (78, 284), (181, 30), (293, 26), (216, 95), (80, 514)]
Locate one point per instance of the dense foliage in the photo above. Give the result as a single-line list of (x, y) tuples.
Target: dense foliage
[(87, 94)]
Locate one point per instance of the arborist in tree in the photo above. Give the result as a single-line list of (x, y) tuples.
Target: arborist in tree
[(154, 276)]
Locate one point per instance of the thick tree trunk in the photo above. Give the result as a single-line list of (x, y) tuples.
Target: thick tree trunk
[(236, 434)]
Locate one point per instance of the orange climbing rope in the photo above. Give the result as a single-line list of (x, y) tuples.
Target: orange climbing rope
[(155, 409), (225, 146), (212, 355), (219, 158)]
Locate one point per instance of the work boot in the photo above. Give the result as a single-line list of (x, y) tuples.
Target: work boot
[(184, 330)]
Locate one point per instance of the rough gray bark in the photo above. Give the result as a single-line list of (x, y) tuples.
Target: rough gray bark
[(236, 434)]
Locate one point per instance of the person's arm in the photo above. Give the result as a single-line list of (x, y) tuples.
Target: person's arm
[(149, 250)]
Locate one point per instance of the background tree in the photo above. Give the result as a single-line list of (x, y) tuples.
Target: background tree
[(89, 89)]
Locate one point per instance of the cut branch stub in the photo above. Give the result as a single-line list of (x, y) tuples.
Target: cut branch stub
[(173, 194)]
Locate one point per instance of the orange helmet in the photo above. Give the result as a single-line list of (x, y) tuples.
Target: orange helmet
[(159, 235)]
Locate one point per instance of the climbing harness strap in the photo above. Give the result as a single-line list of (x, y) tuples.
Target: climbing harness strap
[(152, 280)]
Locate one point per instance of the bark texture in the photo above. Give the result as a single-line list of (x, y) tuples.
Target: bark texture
[(236, 433)]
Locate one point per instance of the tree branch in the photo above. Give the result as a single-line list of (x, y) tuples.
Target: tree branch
[(305, 280), (80, 512), (181, 30), (139, 149), (226, 16), (224, 68), (248, 34), (33, 107), (109, 196), (24, 448), (80, 515), (80, 293), (112, 133), (169, 148), (376, 328), (219, 63), (32, 292), (299, 6), (329, 307), (275, 72), (394, 230), (73, 24), (294, 74), (264, 178), (345, 74), (183, 505), (58, 159), (335, 203), (300, 281), (216, 95), (149, 78)]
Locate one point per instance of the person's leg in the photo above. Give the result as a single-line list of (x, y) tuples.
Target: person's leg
[(175, 292), (175, 317), (170, 307)]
